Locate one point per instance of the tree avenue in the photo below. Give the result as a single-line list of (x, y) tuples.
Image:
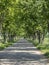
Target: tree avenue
[(29, 18)]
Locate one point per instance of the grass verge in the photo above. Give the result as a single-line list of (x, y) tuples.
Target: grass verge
[(3, 46), (43, 47)]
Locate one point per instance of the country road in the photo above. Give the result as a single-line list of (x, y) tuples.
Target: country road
[(22, 53)]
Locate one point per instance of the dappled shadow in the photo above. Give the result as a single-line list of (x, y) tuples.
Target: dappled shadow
[(21, 48), (22, 53), (15, 62), (22, 45), (23, 41), (20, 56)]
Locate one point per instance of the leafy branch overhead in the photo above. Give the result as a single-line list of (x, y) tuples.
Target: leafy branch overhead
[(24, 17)]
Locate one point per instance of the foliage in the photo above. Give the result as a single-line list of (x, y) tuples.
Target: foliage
[(28, 18)]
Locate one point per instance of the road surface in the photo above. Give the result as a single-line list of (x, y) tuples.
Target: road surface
[(22, 53)]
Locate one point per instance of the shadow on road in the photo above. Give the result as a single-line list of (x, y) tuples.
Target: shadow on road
[(20, 56), (22, 53)]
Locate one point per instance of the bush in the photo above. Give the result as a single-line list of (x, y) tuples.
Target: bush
[(2, 46), (8, 44), (41, 46), (47, 54), (35, 43)]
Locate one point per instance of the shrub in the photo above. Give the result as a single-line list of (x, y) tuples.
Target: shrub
[(41, 47), (47, 54), (8, 44), (2, 46)]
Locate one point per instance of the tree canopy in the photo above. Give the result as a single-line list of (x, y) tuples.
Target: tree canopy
[(24, 18)]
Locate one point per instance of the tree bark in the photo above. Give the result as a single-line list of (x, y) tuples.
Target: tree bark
[(39, 37)]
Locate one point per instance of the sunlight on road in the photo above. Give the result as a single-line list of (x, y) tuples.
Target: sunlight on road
[(22, 53)]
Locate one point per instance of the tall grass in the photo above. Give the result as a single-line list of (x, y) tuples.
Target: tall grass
[(43, 46), (3, 46), (7, 44)]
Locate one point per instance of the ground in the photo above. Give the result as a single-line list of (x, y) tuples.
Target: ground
[(22, 53)]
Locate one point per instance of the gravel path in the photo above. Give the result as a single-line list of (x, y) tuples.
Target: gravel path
[(22, 53)]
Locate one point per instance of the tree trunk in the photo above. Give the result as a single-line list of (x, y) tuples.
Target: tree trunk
[(39, 37), (4, 37), (11, 38), (34, 36)]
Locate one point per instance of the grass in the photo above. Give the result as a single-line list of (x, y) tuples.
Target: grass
[(44, 47), (47, 54), (3, 46)]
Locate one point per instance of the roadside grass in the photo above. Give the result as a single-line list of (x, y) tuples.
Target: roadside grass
[(44, 46), (4, 45)]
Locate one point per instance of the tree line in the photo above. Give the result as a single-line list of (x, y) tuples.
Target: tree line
[(24, 17)]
